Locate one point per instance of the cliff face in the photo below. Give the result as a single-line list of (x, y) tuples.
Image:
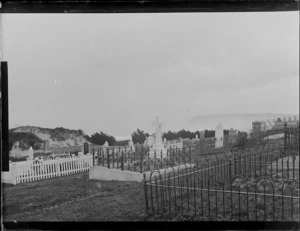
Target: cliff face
[(57, 137)]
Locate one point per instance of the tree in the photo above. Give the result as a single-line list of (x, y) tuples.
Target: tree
[(226, 132), (80, 132), (209, 133), (185, 134), (26, 139), (139, 136), (101, 138), (170, 135), (87, 137)]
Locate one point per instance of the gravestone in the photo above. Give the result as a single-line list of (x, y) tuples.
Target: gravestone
[(165, 140), (248, 135), (30, 153), (202, 137), (174, 144), (219, 136), (46, 145), (232, 135), (105, 144), (16, 150), (86, 148), (158, 146), (196, 136), (150, 141), (130, 143), (80, 154)]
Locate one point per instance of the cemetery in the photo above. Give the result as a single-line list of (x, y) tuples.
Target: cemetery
[(259, 183), (196, 179)]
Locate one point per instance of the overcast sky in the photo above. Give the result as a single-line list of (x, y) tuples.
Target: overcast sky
[(116, 72)]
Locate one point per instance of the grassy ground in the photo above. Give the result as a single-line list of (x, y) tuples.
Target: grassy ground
[(74, 197)]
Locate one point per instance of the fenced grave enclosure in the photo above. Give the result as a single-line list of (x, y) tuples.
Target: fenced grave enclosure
[(140, 161), (260, 185), (34, 170)]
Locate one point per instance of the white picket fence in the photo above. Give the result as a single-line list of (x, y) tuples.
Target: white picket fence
[(29, 171)]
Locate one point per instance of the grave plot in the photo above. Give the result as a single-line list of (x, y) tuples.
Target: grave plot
[(241, 187), (141, 161), (132, 163)]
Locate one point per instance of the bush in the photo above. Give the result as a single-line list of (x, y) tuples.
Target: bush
[(101, 138), (18, 159), (26, 139), (139, 136)]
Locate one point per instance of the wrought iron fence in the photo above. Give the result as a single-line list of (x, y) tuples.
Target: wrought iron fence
[(240, 187), (285, 128), (140, 161)]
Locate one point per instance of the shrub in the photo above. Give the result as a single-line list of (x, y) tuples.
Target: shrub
[(139, 136), (26, 139), (18, 159)]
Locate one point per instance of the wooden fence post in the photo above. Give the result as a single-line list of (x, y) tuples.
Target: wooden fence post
[(58, 166), (93, 156), (14, 174)]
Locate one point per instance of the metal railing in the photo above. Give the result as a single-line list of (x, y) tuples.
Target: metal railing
[(140, 161), (237, 187)]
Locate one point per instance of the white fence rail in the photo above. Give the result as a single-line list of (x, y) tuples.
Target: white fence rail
[(29, 171)]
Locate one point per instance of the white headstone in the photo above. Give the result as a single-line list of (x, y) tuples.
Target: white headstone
[(248, 135), (150, 141), (196, 136), (105, 144), (158, 146), (130, 143), (30, 153), (165, 140), (16, 150), (219, 136)]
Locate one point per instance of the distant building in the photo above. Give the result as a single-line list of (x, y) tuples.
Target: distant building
[(258, 127), (279, 124)]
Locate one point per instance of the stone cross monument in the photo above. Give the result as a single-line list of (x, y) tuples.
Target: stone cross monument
[(158, 147), (158, 125)]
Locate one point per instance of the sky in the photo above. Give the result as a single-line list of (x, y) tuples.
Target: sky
[(116, 72)]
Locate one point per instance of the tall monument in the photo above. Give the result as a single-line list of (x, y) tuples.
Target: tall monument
[(219, 136), (158, 146)]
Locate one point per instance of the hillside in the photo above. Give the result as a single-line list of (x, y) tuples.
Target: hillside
[(57, 137), (242, 122)]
